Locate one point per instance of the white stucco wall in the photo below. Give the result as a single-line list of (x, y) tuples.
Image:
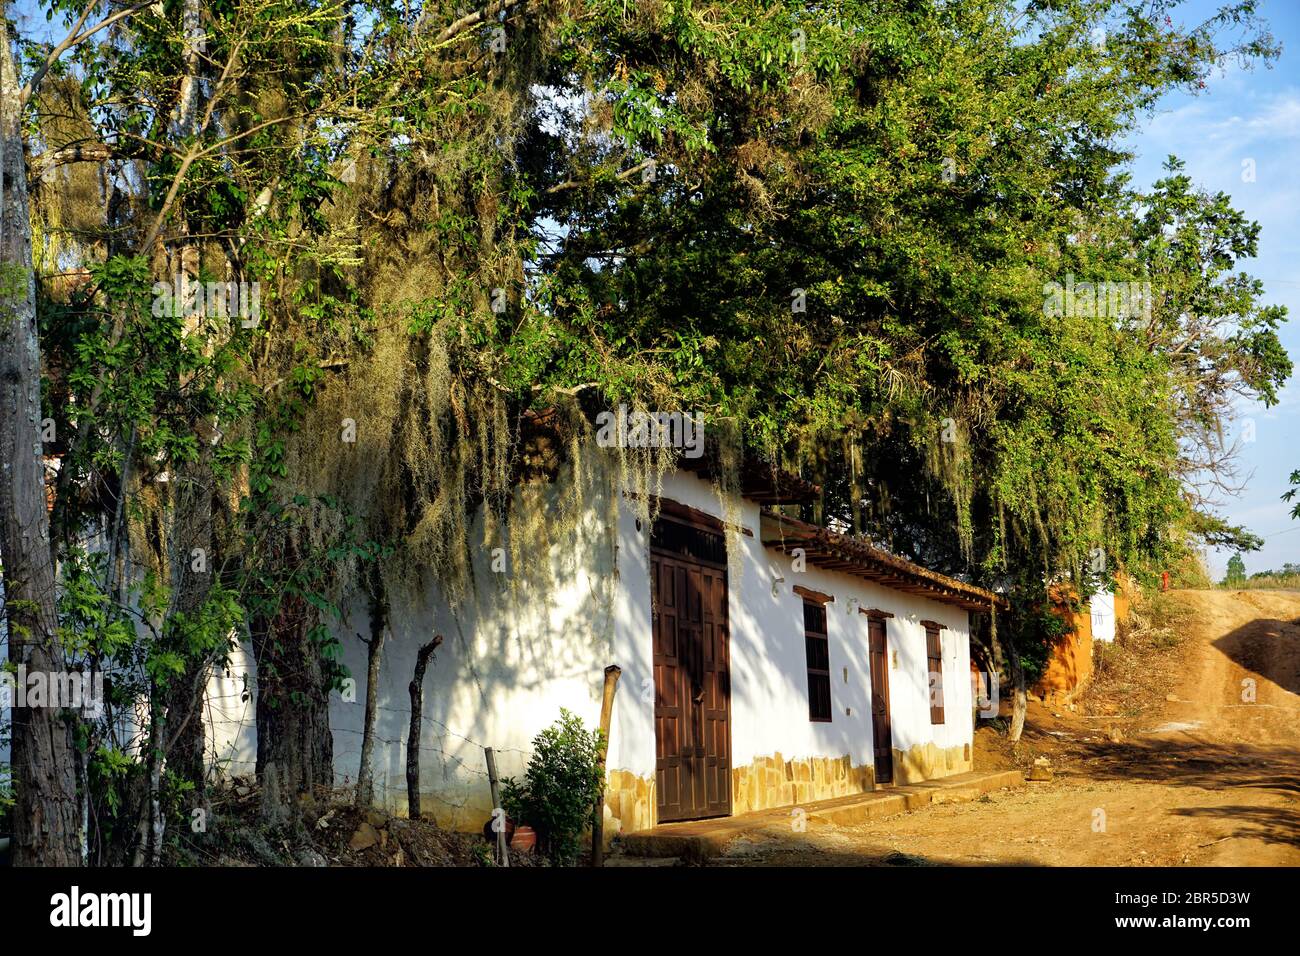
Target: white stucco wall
[(511, 658), (231, 714)]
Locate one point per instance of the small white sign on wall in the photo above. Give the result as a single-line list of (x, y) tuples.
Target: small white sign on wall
[(1102, 609)]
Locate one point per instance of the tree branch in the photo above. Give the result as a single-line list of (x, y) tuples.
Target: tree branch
[(89, 153), (620, 177), (71, 40), (470, 20)]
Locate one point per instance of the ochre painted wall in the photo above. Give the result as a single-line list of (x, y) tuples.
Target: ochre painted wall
[(1070, 664)]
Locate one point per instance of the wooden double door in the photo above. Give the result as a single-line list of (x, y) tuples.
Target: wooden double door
[(691, 671)]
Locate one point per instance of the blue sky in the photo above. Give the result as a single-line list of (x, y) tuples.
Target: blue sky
[(1250, 114)]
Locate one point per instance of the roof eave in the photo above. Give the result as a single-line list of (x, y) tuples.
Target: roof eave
[(835, 552)]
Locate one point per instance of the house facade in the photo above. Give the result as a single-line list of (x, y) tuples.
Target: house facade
[(765, 663)]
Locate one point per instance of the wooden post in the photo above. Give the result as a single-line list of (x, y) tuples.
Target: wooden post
[(612, 674), (503, 855), (416, 689)]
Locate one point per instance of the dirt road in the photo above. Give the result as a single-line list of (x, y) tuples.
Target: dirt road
[(1209, 777)]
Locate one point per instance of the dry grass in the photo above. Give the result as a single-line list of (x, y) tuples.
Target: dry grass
[(1266, 582), (1132, 676)]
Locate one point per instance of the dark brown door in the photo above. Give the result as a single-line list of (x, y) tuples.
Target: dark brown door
[(692, 676), (881, 731)]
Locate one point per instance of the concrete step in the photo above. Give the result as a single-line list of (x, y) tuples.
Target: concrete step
[(698, 840)]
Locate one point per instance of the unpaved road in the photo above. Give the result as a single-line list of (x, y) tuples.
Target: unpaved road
[(1214, 779)]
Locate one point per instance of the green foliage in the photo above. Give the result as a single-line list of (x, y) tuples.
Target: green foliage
[(1288, 578), (1035, 628), (6, 797), (1290, 493), (562, 784), (114, 780), (1236, 575), (1285, 578), (921, 173), (829, 229)]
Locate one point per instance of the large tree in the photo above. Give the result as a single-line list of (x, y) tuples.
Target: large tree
[(47, 824)]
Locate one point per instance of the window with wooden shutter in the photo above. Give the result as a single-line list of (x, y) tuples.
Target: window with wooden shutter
[(817, 648), (934, 657)]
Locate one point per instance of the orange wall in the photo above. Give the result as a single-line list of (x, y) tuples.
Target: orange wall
[(1070, 664)]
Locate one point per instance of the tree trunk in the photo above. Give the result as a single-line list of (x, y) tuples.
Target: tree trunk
[(416, 689), (612, 673), (191, 502), (1006, 642), (1006, 657), (46, 817), (149, 831), (185, 694), (1021, 702), (184, 700), (374, 661), (295, 750)]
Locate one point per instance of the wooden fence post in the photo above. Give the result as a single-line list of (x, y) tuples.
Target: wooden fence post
[(503, 854), (612, 674), (416, 690)]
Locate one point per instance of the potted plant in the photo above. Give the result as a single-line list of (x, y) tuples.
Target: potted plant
[(562, 783), (519, 835)]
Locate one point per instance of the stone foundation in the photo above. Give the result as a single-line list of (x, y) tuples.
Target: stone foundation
[(768, 782), (776, 782), (927, 761), (630, 803)]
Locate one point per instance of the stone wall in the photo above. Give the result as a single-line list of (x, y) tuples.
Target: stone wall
[(926, 762), (776, 782), (630, 803)]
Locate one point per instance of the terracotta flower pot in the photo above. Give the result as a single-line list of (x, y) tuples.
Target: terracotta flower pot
[(524, 839), (518, 836)]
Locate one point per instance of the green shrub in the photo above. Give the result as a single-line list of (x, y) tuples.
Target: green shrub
[(6, 797), (560, 788)]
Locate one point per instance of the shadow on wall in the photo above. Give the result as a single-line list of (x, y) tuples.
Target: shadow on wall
[(524, 643), (769, 677), (770, 684)]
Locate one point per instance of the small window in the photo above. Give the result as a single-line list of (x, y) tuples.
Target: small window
[(817, 648), (934, 656)]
